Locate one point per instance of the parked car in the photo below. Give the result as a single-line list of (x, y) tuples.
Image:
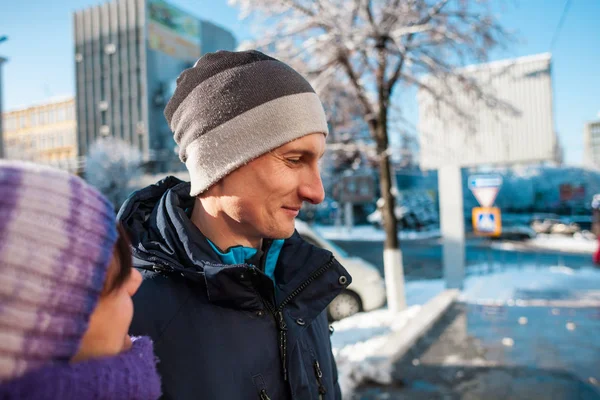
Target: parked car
[(544, 225), (407, 219), (516, 232), (558, 226), (367, 290), (413, 211), (565, 228)]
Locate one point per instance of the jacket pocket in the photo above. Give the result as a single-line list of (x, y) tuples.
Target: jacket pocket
[(261, 387)]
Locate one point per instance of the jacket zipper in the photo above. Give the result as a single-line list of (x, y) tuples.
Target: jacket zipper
[(319, 375), (278, 314), (264, 395)]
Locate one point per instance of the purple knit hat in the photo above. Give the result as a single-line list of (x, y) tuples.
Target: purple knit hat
[(57, 235)]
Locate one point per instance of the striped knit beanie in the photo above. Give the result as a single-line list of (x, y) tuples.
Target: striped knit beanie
[(232, 107), (57, 235)]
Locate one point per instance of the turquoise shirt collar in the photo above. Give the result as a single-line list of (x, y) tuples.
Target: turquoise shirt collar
[(240, 255)]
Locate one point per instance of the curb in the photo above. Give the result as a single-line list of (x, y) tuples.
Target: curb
[(398, 343)]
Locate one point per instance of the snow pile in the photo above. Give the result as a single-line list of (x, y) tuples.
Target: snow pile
[(517, 285), (576, 243), (356, 338), (370, 233), (522, 285)]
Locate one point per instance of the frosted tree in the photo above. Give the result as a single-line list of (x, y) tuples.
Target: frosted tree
[(374, 47), (112, 166)]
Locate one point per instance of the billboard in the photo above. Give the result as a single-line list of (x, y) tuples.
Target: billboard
[(516, 126), (173, 32)]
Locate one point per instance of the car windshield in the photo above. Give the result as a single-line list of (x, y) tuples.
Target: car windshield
[(332, 245), (339, 250)]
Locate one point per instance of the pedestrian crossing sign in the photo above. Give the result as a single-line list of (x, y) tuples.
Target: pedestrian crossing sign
[(487, 221)]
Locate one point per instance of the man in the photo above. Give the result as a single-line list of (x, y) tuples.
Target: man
[(233, 298)]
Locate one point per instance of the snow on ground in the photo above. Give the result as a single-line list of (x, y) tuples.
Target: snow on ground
[(357, 337), (520, 285), (369, 233), (577, 243)]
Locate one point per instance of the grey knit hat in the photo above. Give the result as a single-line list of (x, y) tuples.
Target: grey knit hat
[(232, 107)]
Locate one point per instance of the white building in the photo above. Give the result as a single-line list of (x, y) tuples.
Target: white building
[(514, 126), (591, 144)]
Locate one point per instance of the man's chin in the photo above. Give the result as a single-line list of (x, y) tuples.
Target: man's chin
[(284, 231)]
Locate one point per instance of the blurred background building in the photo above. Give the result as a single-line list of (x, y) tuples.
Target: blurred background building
[(44, 133), (591, 144), (513, 124), (128, 55)]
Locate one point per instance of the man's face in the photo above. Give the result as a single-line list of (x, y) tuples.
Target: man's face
[(264, 196)]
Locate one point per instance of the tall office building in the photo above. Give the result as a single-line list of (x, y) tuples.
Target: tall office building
[(128, 55)]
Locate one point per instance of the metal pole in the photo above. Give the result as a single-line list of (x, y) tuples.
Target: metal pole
[(349, 216)]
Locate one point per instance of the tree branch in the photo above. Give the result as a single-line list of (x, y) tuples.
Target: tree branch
[(369, 12), (354, 80)]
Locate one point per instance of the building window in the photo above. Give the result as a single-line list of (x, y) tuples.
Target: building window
[(10, 123), (62, 114), (70, 113)]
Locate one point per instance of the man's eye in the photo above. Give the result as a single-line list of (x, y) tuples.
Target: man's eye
[(294, 160)]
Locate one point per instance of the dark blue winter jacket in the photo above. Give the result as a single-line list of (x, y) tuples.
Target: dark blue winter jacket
[(227, 331)]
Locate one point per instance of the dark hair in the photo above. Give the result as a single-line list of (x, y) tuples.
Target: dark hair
[(123, 253)]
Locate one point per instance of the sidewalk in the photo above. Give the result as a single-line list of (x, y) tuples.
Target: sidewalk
[(501, 352), (514, 328), (366, 345)]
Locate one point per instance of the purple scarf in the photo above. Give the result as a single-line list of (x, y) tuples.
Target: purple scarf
[(129, 376)]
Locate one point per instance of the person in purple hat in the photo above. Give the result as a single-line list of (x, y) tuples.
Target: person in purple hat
[(66, 281)]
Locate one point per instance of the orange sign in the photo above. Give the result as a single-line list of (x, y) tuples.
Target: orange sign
[(487, 221)]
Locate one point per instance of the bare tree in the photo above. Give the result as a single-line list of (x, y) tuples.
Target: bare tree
[(112, 166), (372, 46)]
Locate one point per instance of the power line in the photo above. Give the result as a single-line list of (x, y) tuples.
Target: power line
[(560, 24)]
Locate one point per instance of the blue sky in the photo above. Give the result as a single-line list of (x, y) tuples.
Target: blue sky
[(41, 65)]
